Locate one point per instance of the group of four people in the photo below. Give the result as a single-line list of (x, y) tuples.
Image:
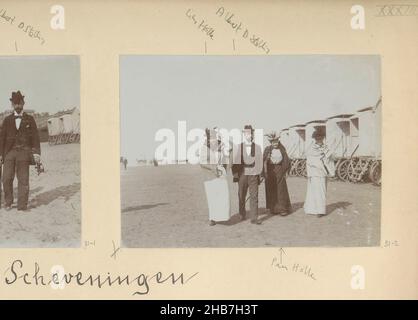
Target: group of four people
[(249, 166)]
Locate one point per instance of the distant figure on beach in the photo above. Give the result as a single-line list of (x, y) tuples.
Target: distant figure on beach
[(246, 169), (276, 165), (125, 163), (319, 165), (19, 148)]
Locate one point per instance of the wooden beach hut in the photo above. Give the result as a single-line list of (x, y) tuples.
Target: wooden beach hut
[(338, 134), (64, 127), (66, 123), (365, 133), (365, 146), (296, 150), (296, 141), (54, 127), (284, 138)]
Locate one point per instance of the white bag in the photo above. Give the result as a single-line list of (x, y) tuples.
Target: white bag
[(217, 195)]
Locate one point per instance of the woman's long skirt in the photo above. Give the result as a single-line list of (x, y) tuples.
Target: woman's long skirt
[(277, 194), (316, 196), (217, 195)]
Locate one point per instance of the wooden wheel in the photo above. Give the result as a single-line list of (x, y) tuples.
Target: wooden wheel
[(342, 169), (293, 165), (375, 173), (72, 138), (304, 171), (301, 168), (357, 169)]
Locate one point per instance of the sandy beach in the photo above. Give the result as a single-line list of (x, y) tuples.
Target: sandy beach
[(54, 215), (166, 206)]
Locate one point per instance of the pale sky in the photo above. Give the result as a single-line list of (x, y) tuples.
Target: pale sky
[(49, 83), (269, 92)]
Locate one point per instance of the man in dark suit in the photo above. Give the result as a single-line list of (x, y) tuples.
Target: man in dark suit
[(246, 168), (19, 148)]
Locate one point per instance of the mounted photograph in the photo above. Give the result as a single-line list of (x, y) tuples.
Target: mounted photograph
[(250, 151), (40, 152)]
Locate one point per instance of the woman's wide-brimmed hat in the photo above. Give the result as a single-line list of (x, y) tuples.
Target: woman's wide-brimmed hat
[(17, 97), (318, 133), (211, 134), (271, 137), (248, 127)]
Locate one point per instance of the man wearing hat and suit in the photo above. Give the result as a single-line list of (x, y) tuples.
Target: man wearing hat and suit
[(19, 147), (246, 169)]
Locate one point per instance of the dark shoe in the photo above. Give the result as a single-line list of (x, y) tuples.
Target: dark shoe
[(212, 223), (255, 221), (22, 209), (321, 215), (241, 217)]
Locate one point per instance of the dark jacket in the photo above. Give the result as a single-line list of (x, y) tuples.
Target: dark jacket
[(284, 166), (27, 136), (239, 164)]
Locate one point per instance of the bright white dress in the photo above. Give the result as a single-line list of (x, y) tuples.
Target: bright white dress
[(217, 195), (217, 189), (318, 167)]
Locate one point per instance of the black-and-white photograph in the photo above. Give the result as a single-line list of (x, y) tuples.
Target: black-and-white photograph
[(40, 151), (250, 151)]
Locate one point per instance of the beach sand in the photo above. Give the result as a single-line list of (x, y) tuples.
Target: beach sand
[(166, 206)]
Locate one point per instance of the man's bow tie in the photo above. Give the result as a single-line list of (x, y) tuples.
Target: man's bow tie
[(18, 117)]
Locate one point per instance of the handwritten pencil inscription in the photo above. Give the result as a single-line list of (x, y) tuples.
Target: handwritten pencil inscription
[(140, 283), (238, 28), (303, 269), (201, 24), (27, 29)]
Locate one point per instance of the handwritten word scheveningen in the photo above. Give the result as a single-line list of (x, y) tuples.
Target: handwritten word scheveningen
[(29, 30), (239, 29), (201, 24), (16, 274)]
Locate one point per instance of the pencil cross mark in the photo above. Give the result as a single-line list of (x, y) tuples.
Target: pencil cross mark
[(115, 250)]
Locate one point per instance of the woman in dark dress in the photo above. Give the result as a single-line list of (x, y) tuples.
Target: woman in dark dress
[(276, 165)]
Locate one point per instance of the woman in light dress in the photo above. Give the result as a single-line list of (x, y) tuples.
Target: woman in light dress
[(319, 166), (214, 156)]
